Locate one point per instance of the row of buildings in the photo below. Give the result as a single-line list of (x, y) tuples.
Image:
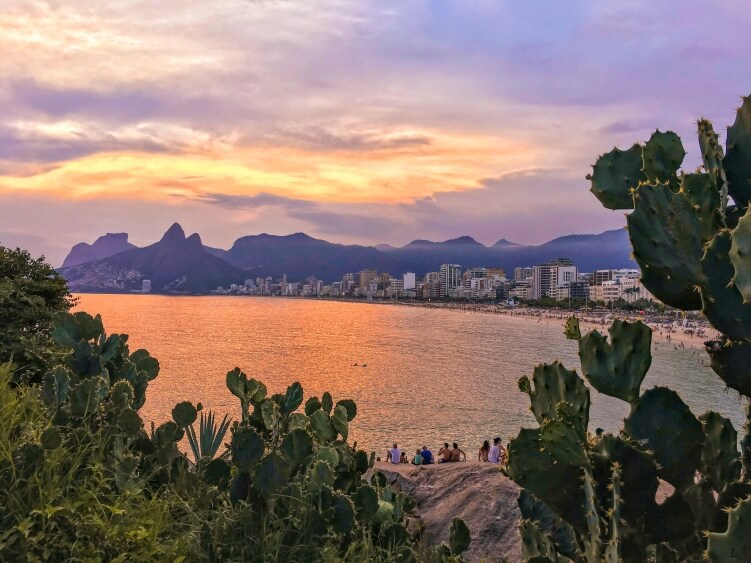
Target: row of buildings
[(558, 280)]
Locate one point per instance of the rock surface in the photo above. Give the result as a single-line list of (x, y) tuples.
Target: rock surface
[(476, 492)]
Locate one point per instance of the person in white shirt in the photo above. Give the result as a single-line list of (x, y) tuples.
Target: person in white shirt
[(494, 456), (394, 455)]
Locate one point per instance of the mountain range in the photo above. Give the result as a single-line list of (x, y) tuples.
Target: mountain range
[(183, 264)]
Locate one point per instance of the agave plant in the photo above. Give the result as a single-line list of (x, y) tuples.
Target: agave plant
[(209, 438)]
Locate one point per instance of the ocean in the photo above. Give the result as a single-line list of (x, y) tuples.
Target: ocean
[(419, 376)]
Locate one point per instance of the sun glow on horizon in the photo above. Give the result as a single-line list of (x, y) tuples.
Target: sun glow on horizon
[(390, 174)]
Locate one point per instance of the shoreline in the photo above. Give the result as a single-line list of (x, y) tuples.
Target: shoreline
[(664, 330)]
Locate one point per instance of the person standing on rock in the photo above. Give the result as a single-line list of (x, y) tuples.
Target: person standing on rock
[(394, 455)]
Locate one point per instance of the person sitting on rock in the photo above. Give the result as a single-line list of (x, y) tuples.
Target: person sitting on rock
[(403, 458), (482, 455), (427, 456), (445, 453), (394, 455), (494, 455), (457, 453), (417, 460)]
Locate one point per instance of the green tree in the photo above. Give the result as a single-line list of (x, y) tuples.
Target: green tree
[(31, 294)]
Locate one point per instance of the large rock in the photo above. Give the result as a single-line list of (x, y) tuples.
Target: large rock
[(476, 492)]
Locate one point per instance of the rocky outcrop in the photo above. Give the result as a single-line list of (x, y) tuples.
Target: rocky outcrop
[(104, 247), (476, 492)]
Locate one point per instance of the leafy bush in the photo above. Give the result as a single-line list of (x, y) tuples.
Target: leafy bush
[(591, 498), (80, 477), (31, 293)]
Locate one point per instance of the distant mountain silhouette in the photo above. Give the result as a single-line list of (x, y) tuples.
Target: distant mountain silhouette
[(610, 249), (175, 263), (299, 256), (103, 247), (504, 243)]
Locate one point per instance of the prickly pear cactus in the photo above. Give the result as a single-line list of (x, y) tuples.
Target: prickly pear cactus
[(592, 498), (693, 245)]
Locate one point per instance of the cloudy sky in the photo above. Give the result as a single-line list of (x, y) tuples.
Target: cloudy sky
[(353, 121)]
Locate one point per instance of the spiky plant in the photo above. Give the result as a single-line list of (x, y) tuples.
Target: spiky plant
[(208, 440)]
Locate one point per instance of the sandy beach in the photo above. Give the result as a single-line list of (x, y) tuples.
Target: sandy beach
[(666, 330)]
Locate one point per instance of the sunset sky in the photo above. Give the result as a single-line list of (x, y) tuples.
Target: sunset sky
[(353, 121)]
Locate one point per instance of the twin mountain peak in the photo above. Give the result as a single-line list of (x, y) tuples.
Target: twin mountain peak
[(184, 264)]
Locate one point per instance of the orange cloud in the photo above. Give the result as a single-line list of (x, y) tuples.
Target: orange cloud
[(387, 175)]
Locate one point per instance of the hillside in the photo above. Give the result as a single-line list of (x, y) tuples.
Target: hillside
[(299, 256), (175, 263)]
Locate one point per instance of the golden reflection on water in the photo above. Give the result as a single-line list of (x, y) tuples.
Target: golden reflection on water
[(422, 376)]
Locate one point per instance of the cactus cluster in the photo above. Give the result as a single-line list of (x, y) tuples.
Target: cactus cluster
[(593, 498), (283, 460), (288, 469), (691, 232)]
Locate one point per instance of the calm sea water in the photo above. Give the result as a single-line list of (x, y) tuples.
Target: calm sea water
[(431, 375)]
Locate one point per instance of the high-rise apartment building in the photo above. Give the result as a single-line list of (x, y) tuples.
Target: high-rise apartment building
[(523, 273), (450, 278), (493, 272), (433, 277), (548, 277), (475, 273), (409, 280), (366, 277)]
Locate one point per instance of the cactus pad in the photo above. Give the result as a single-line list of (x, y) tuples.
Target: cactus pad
[(321, 426), (665, 234), (292, 398), (722, 303), (740, 256), (662, 156), (350, 407), (246, 447), (738, 155), (555, 483), (615, 175), (297, 446), (184, 414), (735, 543), (671, 431), (554, 384), (618, 367), (459, 538), (706, 201), (732, 362), (271, 474), (721, 462), (638, 474)]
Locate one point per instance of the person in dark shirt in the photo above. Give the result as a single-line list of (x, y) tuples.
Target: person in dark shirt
[(427, 455)]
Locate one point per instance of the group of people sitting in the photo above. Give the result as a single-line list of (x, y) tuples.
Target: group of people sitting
[(492, 454)]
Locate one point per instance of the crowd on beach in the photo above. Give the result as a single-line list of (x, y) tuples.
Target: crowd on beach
[(494, 453)]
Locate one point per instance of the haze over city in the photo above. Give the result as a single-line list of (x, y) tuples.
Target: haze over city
[(354, 122)]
